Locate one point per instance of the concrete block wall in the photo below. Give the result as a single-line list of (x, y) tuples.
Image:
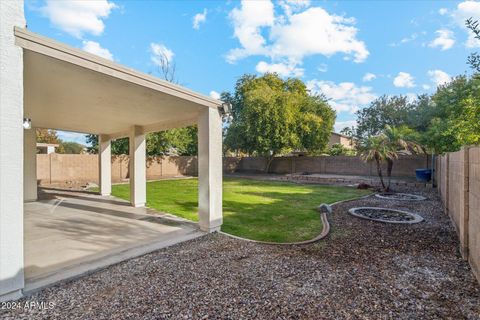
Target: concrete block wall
[(53, 168), (458, 175), (474, 209), (457, 191), (404, 167)]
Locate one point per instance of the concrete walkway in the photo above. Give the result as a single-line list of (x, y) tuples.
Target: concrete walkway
[(70, 233)]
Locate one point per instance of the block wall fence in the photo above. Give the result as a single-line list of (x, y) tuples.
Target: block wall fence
[(458, 180), (56, 167)]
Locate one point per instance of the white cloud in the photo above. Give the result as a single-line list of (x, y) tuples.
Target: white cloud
[(95, 48), (77, 17), (199, 18), (159, 52), (445, 39), (345, 96), (368, 77), (315, 31), (283, 69), (442, 11), (214, 95), (72, 137), (472, 42), (299, 32), (425, 87), (410, 38), (247, 22), (323, 67), (339, 125), (404, 80), (439, 77), (465, 10)]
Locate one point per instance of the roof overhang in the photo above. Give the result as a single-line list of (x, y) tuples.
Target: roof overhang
[(68, 89)]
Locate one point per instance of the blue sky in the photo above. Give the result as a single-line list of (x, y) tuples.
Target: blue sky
[(351, 51)]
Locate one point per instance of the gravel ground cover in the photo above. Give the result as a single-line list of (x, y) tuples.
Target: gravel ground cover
[(362, 270), (385, 215)]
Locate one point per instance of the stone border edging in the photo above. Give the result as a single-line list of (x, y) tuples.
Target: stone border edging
[(416, 197), (323, 234), (417, 218)]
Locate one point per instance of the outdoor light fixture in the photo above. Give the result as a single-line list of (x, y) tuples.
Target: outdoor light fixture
[(226, 108), (27, 123)]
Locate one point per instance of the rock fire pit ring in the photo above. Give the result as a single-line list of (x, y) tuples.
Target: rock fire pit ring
[(399, 196), (386, 215)]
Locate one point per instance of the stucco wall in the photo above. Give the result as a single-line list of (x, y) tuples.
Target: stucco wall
[(11, 152), (459, 186)]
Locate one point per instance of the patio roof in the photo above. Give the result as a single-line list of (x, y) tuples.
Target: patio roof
[(69, 89)]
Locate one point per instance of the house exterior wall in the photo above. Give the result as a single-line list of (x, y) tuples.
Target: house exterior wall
[(11, 152), (338, 138)]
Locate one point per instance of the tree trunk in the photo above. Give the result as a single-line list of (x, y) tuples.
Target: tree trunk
[(389, 172), (268, 164), (379, 172)]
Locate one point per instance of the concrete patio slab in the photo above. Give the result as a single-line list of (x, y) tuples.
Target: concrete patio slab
[(70, 233)]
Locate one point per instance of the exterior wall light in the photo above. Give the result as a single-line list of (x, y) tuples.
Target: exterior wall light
[(27, 123), (226, 109)]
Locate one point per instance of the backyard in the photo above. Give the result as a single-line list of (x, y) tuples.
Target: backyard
[(258, 210)]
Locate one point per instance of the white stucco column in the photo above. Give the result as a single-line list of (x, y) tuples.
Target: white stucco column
[(11, 152), (29, 165), (137, 168), (105, 165), (210, 170)]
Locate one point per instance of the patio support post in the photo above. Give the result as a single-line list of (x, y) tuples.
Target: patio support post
[(11, 152), (137, 170), (29, 165), (210, 170), (105, 165)]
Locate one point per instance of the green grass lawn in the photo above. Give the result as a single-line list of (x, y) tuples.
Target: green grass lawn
[(259, 210)]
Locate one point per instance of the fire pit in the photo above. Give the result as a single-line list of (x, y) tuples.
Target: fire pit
[(399, 196), (385, 215)]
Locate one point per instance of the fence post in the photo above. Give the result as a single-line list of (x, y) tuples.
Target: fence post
[(466, 207), (447, 183)]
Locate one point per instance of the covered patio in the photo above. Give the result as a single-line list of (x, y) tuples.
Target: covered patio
[(69, 233), (59, 87)]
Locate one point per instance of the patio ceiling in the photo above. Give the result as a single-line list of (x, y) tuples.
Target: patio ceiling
[(69, 89)]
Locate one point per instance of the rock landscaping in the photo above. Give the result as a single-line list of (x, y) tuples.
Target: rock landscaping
[(399, 196), (385, 215), (362, 270)]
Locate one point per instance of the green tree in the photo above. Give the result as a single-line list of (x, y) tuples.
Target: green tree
[(72, 147), (393, 111), (181, 141), (273, 116), (453, 115), (338, 149), (473, 59), (386, 147), (374, 148)]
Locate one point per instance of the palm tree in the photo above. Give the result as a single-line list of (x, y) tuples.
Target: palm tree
[(399, 139), (386, 147), (375, 149)]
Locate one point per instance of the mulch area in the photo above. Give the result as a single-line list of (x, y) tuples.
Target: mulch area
[(362, 270)]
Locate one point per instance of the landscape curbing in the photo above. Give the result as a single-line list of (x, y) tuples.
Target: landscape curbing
[(325, 230)]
